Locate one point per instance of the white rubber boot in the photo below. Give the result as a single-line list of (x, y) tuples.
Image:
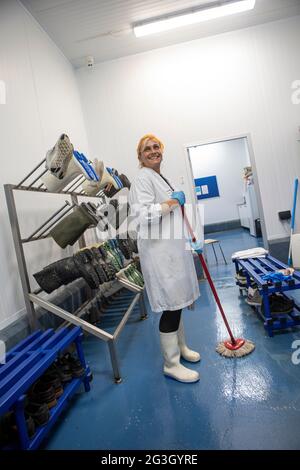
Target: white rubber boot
[(172, 366), (52, 183), (186, 353)]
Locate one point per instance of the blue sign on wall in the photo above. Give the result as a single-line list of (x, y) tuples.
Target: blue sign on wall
[(207, 187)]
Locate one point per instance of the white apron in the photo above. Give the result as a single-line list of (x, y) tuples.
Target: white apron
[(166, 260)]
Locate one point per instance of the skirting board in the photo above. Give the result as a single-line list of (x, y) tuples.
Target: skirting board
[(221, 226)]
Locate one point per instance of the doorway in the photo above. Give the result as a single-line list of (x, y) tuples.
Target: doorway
[(224, 181)]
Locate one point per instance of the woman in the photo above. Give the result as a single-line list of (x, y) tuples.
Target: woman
[(167, 265)]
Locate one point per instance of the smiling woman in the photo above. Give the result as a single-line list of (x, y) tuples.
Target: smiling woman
[(167, 265)]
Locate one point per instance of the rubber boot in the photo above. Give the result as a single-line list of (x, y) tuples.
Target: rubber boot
[(171, 354), (86, 269), (68, 230), (61, 272), (48, 279), (59, 157), (186, 353)]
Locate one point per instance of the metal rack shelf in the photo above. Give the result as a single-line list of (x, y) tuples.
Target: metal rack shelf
[(254, 269), (33, 298)]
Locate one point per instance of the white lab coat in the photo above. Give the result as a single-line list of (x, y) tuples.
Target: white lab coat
[(166, 259)]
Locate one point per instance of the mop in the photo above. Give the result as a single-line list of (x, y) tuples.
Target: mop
[(233, 347), (293, 221)]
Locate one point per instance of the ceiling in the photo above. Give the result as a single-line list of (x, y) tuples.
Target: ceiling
[(103, 28)]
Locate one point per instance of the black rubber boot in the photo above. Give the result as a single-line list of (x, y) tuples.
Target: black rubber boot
[(48, 279), (66, 270), (124, 247), (95, 259), (86, 269)]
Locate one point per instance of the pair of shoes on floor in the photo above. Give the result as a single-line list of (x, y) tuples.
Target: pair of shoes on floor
[(9, 429), (279, 304), (43, 393), (242, 279), (253, 297), (39, 412), (72, 365)]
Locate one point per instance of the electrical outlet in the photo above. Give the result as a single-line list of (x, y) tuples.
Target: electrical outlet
[(284, 215)]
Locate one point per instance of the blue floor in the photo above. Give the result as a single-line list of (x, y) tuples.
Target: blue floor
[(247, 403)]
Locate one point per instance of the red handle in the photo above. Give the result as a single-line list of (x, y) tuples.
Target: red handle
[(212, 286)]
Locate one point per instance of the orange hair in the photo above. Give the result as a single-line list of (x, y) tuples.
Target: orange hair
[(144, 139)]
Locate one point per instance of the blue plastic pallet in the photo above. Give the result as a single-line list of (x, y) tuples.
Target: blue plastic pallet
[(256, 268), (25, 363)]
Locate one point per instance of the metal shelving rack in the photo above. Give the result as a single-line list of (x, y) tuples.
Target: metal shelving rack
[(33, 298)]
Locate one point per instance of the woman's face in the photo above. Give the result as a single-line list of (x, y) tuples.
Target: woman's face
[(151, 155)]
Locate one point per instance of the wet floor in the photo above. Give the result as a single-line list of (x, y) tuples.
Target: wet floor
[(247, 403)]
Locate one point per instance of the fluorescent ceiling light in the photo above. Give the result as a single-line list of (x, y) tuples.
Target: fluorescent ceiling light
[(191, 17)]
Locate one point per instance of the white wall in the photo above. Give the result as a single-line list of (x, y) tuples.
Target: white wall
[(209, 89), (226, 161), (42, 101)]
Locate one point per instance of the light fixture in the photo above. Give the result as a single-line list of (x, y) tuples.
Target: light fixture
[(191, 16)]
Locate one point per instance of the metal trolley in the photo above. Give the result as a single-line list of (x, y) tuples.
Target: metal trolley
[(256, 268)]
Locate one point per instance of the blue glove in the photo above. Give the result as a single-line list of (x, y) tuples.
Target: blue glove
[(197, 247), (179, 196)]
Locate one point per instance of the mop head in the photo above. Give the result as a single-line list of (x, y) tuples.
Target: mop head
[(241, 348)]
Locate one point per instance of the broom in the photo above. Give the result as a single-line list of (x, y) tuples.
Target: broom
[(233, 347), (290, 262)]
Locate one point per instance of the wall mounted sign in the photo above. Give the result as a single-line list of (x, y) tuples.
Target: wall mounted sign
[(207, 187)]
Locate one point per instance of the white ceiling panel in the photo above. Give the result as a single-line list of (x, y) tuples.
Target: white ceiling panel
[(103, 28)]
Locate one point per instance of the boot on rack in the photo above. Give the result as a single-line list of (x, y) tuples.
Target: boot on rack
[(65, 271), (86, 269), (105, 177), (59, 157), (68, 230), (111, 191)]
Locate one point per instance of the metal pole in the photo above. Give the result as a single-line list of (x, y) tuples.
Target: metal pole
[(34, 181), (31, 173), (81, 241), (15, 228), (114, 361), (75, 181), (55, 221), (125, 317), (60, 312), (67, 203), (80, 182), (144, 313)]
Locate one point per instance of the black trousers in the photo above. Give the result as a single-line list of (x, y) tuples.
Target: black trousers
[(169, 321)]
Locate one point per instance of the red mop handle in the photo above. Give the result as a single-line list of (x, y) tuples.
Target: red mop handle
[(233, 341)]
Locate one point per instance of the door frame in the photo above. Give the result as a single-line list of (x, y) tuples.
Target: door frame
[(191, 186)]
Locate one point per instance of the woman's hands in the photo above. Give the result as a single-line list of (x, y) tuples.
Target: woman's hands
[(179, 196), (196, 246)]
